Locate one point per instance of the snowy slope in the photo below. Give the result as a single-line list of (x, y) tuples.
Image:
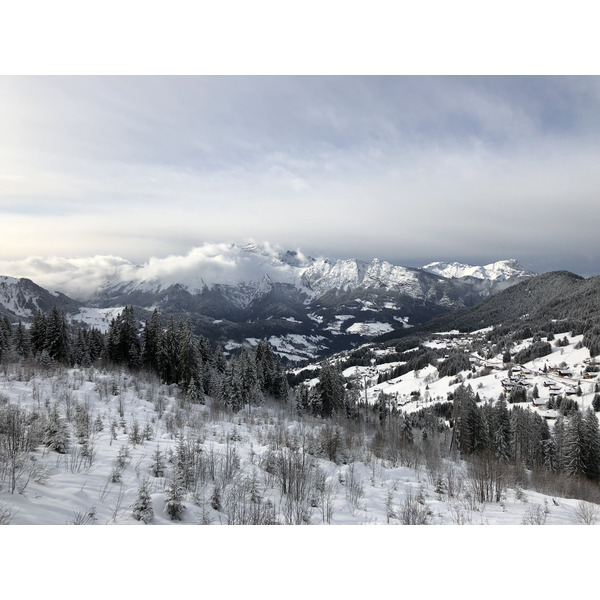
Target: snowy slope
[(416, 389), (97, 481)]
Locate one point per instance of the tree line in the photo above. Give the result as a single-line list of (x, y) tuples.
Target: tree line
[(521, 436), (172, 352)]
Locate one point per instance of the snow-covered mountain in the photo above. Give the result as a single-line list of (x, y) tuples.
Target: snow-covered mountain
[(502, 270), (21, 298), (234, 294)]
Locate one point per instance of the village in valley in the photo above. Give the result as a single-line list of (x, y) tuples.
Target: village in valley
[(568, 371)]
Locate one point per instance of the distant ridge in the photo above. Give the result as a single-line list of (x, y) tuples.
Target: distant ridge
[(235, 294)]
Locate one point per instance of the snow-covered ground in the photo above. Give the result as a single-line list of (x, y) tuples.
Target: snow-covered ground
[(97, 482), (99, 318), (370, 329)]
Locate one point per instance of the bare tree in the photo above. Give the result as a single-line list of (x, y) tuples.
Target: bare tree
[(586, 513)]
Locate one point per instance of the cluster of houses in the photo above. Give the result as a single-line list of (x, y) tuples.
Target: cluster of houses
[(518, 378)]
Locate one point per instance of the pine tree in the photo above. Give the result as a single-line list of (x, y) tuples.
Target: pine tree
[(574, 445), (158, 463), (95, 341), (131, 348), (21, 341), (591, 457), (174, 496), (232, 386), (187, 355), (5, 337), (219, 361), (331, 389), (80, 350), (168, 350), (558, 437), (151, 343), (251, 391), (265, 366), (38, 333), (501, 429), (56, 435), (142, 506), (470, 428), (194, 392), (57, 336)]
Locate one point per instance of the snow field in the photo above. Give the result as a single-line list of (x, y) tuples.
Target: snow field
[(240, 454)]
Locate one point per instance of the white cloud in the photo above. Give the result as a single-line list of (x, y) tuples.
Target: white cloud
[(204, 265)]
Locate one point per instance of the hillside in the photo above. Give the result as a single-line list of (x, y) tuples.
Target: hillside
[(139, 453), (537, 302)]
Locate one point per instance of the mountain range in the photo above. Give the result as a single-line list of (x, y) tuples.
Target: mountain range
[(237, 294)]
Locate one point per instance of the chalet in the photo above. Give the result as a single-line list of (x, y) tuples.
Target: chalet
[(538, 401), (549, 414), (564, 373)]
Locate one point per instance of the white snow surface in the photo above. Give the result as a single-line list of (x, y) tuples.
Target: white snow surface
[(370, 329), (99, 318)]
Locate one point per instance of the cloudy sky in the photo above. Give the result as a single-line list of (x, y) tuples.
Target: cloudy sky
[(407, 169)]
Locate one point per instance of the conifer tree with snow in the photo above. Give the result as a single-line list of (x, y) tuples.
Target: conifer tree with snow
[(56, 434), (558, 437), (80, 353), (57, 336), (5, 338), (158, 463), (174, 496), (501, 429), (187, 355), (151, 343), (123, 344), (574, 444), (591, 457), (251, 391), (38, 333), (470, 433), (21, 341), (168, 353), (232, 393), (331, 389), (142, 506)]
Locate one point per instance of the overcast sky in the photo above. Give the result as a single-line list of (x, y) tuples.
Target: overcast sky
[(406, 169)]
